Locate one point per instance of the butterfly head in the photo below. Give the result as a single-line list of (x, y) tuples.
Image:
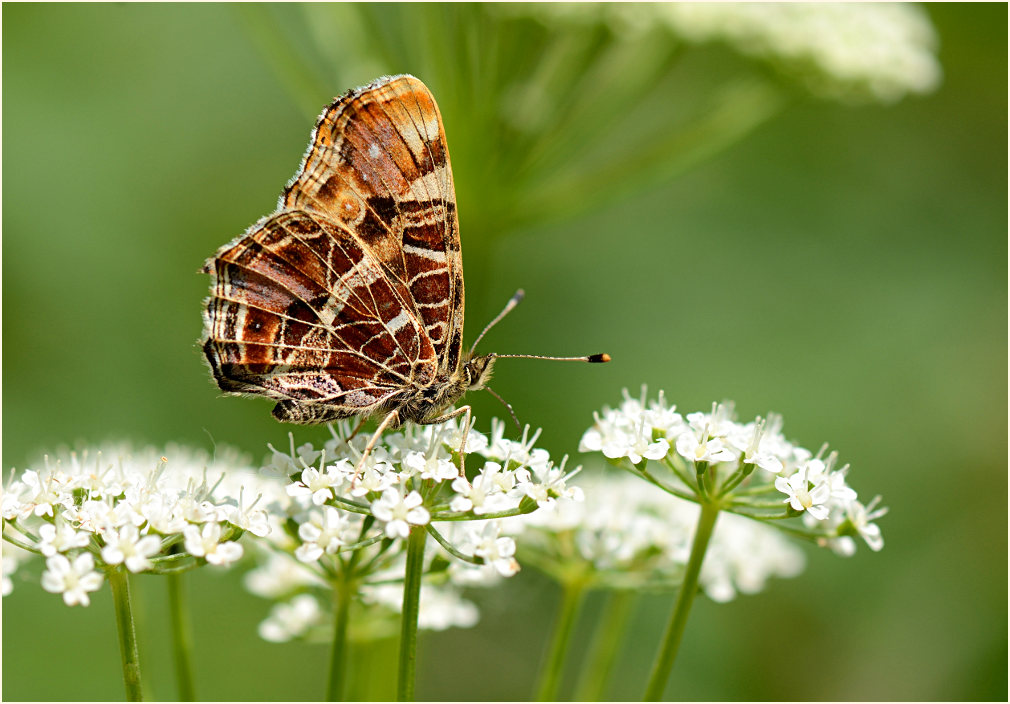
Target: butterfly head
[(477, 371)]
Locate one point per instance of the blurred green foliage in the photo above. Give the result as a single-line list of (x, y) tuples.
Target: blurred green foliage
[(842, 266)]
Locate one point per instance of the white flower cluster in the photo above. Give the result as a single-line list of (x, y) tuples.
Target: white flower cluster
[(303, 598), (632, 536), (440, 608), (717, 446), (410, 478), (875, 51), (144, 510), (880, 51)]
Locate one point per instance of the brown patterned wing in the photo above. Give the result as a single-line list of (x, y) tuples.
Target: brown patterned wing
[(378, 164), (301, 312)]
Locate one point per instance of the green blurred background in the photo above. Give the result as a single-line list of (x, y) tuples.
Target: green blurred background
[(843, 266)]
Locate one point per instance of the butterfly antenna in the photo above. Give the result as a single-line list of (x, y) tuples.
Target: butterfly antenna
[(513, 302), (506, 404), (591, 358)]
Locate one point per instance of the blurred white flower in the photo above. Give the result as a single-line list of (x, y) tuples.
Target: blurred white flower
[(879, 51), (844, 51), (247, 517), (73, 579), (12, 558), (279, 575), (496, 550), (323, 532), (632, 536), (206, 543), (127, 546), (60, 537), (291, 620), (440, 607), (43, 493)]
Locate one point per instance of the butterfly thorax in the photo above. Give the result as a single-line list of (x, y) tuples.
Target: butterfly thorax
[(425, 404)]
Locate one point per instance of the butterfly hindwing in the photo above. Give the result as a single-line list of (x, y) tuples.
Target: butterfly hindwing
[(301, 312)]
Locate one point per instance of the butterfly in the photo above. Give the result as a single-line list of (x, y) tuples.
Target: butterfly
[(348, 299)]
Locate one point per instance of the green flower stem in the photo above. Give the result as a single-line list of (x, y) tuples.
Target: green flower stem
[(362, 544), (678, 472), (411, 602), (685, 598), (758, 504), (469, 515), (119, 581), (343, 591), (182, 637), (662, 485), (605, 647), (741, 474), (447, 546), (554, 665), (755, 490), (703, 492), (21, 544)]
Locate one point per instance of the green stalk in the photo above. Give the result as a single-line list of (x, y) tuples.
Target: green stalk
[(182, 637), (554, 665), (296, 73), (411, 602), (119, 581), (343, 590), (685, 597), (605, 647)]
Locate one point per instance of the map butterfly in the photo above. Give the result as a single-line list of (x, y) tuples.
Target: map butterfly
[(348, 299)]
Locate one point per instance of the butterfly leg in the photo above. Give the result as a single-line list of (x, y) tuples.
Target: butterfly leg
[(391, 418), (462, 410), (357, 429)]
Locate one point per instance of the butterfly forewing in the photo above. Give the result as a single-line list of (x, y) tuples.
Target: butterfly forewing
[(378, 163), (352, 292)]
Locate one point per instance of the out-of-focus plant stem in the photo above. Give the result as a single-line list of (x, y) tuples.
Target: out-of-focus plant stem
[(182, 637), (604, 647), (554, 664)]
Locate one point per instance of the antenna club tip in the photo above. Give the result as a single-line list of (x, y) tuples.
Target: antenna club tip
[(598, 358)]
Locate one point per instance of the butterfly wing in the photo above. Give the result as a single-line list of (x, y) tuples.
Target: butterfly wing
[(378, 164), (352, 292), (301, 312)]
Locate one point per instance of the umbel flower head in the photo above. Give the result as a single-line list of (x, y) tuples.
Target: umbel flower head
[(345, 524), (748, 469), (627, 535), (147, 510), (845, 51), (871, 51)]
